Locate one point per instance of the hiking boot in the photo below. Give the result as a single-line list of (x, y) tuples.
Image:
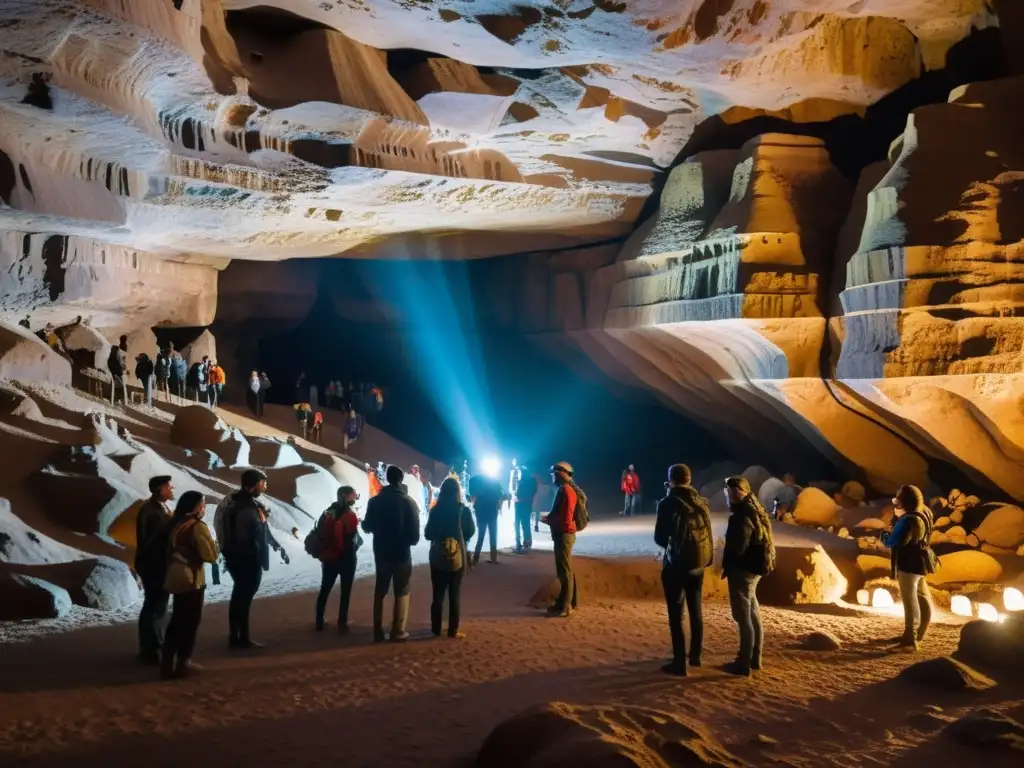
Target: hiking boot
[(906, 641), (519, 549), (674, 668), (736, 668), (553, 610), (476, 559)]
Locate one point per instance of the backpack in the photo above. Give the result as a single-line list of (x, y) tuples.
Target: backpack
[(318, 539), (446, 554), (692, 544), (761, 552), (580, 516), (929, 560)]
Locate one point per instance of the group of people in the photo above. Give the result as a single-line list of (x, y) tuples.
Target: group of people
[(683, 530), (169, 374)]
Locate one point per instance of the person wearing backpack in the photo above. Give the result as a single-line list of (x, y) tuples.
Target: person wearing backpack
[(683, 530), (151, 565), (336, 542), (449, 524), (912, 560), (564, 520), (393, 519), (749, 555), (241, 526), (190, 548)]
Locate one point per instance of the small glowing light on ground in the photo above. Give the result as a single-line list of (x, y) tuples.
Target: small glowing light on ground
[(1013, 599), (490, 466), (863, 597), (961, 605), (988, 612), (881, 598)]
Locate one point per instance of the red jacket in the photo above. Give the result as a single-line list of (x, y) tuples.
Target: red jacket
[(561, 517), (341, 531), (631, 483)]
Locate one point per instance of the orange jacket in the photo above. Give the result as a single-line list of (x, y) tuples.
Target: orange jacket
[(217, 375)]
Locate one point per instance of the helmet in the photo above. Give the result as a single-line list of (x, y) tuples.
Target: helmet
[(562, 466)]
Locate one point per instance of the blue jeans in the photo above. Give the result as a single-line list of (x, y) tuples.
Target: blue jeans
[(524, 536), (747, 614), (487, 524), (632, 505)]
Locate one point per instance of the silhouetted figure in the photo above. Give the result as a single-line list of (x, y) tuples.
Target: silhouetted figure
[(151, 566), (144, 369), (264, 391), (449, 525), (525, 494), (487, 496), (117, 364)]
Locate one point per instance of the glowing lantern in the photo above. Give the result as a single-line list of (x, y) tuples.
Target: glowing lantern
[(988, 612), (881, 598), (1013, 600), (863, 597), (961, 605)]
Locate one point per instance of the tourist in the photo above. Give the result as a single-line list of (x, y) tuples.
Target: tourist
[(912, 560), (244, 537), (264, 391), (318, 423), (217, 381), (179, 374), (749, 555), (487, 496), (373, 481), (562, 521), (252, 393), (546, 503), (191, 547), (162, 373), (631, 490), (392, 518), (424, 486), (353, 428), (151, 565), (302, 414), (525, 493), (339, 529), (144, 372), (683, 530), (515, 476), (449, 525), (117, 364)]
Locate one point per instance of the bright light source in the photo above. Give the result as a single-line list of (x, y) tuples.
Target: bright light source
[(490, 466), (1013, 599), (881, 598), (863, 597), (988, 612), (961, 605)]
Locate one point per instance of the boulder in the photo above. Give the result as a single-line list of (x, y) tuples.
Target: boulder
[(967, 567), (854, 491), (995, 647), (872, 524), (716, 474), (26, 597), (24, 357), (938, 537), (972, 541), (956, 516), (756, 476), (991, 549), (1003, 526), (802, 575), (943, 522), (600, 736), (990, 730), (772, 489), (821, 641), (88, 347), (101, 490), (947, 674), (309, 487), (272, 454), (98, 582), (198, 428), (956, 535), (20, 544), (815, 508)]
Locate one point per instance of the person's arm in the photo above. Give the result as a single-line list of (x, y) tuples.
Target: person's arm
[(468, 524), (412, 520), (205, 545), (370, 520), (662, 525), (430, 529), (737, 537)]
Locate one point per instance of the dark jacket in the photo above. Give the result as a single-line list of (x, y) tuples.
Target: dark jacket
[(143, 367), (487, 495), (248, 537), (150, 560), (394, 520), (443, 523), (909, 542), (682, 500), (748, 524), (527, 491), (162, 369), (117, 363)]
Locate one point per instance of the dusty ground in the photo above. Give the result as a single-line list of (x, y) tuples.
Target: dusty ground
[(325, 700)]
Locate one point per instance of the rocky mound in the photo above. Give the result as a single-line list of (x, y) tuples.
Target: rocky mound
[(947, 674), (198, 428), (272, 454), (821, 641), (814, 507), (1003, 526), (989, 730), (965, 567), (100, 583), (25, 358), (27, 597), (618, 578), (601, 736), (996, 647), (802, 576)]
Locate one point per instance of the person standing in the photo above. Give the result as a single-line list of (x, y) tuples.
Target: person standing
[(749, 555), (562, 522), (217, 381), (261, 395), (117, 364), (242, 529), (487, 496), (515, 476), (252, 393), (318, 425), (151, 564), (526, 492), (394, 522), (340, 534), (179, 374), (631, 490), (912, 560), (191, 547), (683, 530), (144, 369), (449, 524), (162, 373)]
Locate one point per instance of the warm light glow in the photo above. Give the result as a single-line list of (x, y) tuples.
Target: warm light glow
[(988, 612), (1013, 599), (490, 466), (863, 597), (881, 598), (961, 605)]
